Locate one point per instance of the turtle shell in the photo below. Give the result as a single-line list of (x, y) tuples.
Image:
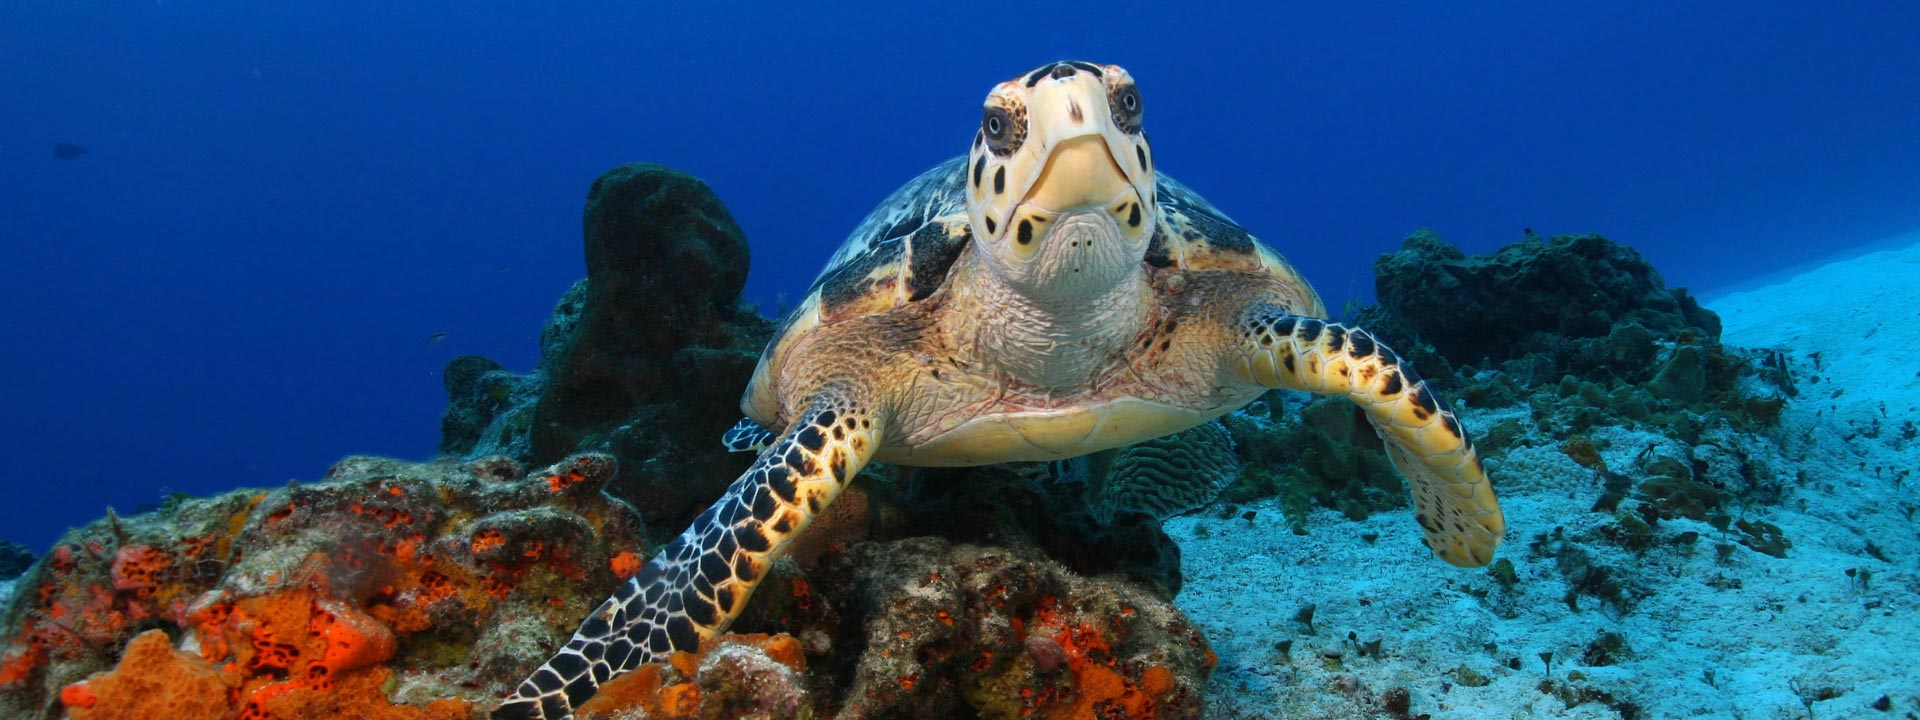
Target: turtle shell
[(1193, 235), (902, 252), (903, 249)]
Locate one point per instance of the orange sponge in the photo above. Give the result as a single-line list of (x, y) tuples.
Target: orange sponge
[(152, 681)]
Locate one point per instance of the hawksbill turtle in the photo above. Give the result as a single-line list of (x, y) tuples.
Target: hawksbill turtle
[(1048, 295)]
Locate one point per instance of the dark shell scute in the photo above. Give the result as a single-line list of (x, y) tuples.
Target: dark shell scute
[(1158, 253), (904, 240), (934, 251), (1222, 234), (861, 275)]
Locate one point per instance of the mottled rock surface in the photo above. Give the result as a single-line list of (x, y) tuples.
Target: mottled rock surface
[(1529, 296), (644, 359), (971, 631), (313, 599)]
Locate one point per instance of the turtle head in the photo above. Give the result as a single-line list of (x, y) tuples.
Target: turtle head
[(1060, 180)]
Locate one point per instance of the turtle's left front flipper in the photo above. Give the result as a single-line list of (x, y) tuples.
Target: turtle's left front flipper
[(1453, 501), (695, 586)]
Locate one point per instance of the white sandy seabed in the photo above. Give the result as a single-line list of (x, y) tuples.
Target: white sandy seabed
[(1831, 631)]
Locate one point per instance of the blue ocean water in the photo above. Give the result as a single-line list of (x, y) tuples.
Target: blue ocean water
[(282, 203)]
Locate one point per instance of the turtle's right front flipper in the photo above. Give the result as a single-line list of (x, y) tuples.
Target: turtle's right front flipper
[(748, 436), (1453, 501), (698, 584)]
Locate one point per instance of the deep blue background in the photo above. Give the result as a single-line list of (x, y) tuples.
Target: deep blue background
[(286, 199)]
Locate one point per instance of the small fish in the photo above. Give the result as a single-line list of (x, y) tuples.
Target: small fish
[(435, 338), (69, 151)]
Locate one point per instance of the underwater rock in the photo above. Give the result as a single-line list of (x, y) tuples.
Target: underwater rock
[(1325, 455), (951, 629), (14, 559), (311, 599), (1524, 298), (996, 506), (403, 591), (472, 404), (644, 359), (733, 676), (922, 627)]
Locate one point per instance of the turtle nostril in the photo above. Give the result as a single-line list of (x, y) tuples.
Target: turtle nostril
[(1061, 70)]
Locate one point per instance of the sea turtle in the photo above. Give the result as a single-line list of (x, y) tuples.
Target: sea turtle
[(1047, 295)]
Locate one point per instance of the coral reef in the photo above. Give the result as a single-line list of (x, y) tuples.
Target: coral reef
[(404, 591), (416, 591), (1584, 335), (925, 628), (1162, 477), (644, 359), (998, 506), (971, 631), (1531, 296), (735, 675), (311, 600)]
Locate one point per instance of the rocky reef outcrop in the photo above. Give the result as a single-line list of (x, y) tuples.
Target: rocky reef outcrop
[(645, 359), (415, 591), (1536, 295), (406, 591), (1579, 330), (385, 590)]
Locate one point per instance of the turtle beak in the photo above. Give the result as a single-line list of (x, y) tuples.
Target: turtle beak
[(1080, 174), (1081, 170)]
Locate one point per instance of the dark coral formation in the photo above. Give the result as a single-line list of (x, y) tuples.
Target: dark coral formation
[(995, 506), (1327, 456), (925, 628), (14, 559), (309, 600), (645, 359), (1580, 316), (1530, 297)]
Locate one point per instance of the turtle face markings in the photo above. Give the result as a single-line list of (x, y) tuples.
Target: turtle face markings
[(1062, 147)]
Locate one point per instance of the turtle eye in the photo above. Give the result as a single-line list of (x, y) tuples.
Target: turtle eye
[(1126, 107), (997, 124)]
